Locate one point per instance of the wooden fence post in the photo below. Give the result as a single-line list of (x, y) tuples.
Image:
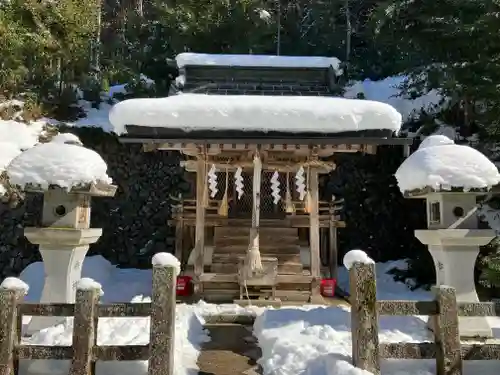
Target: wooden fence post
[(162, 331), (364, 317), (446, 333), (84, 329), (9, 300)]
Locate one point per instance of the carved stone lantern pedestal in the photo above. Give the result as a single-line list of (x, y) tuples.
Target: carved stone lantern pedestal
[(63, 240), (455, 250)]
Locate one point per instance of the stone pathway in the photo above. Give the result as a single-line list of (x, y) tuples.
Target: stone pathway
[(232, 351)]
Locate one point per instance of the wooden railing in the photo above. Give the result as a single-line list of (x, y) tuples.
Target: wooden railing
[(447, 349), (84, 351)]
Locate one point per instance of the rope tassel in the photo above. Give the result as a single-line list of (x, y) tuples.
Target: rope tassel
[(224, 205), (253, 260)]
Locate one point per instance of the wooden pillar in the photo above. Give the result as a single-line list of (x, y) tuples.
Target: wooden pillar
[(179, 233), (201, 176), (314, 225), (332, 244)]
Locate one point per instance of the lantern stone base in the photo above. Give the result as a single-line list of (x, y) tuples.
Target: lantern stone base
[(454, 252), (63, 251)]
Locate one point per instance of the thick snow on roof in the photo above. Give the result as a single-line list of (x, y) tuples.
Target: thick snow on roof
[(189, 58), (442, 165), (58, 164), (296, 114)]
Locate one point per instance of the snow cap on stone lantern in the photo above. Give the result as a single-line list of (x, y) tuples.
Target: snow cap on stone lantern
[(441, 165), (60, 164), (67, 174)]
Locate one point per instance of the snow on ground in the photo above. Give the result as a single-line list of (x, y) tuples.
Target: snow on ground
[(122, 285), (255, 113), (15, 137), (96, 117), (387, 91), (307, 340), (316, 340), (439, 163), (123, 88)]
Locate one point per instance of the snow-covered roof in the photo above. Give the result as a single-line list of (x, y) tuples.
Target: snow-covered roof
[(440, 164), (291, 114), (189, 58), (58, 164)]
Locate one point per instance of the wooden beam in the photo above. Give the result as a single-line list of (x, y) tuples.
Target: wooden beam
[(314, 224), (325, 149), (191, 166), (201, 176)]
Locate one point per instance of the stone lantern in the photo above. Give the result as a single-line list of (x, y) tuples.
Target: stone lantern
[(67, 175), (450, 178)]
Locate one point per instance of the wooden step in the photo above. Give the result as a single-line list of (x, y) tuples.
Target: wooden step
[(234, 258), (230, 268), (227, 239), (264, 249), (237, 231)]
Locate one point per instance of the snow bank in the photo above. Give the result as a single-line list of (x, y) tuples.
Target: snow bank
[(96, 117), (58, 164), (8, 151), (21, 135), (15, 137), (167, 259), (442, 165), (255, 113), (317, 340), (13, 283), (356, 256), (189, 58), (387, 91)]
